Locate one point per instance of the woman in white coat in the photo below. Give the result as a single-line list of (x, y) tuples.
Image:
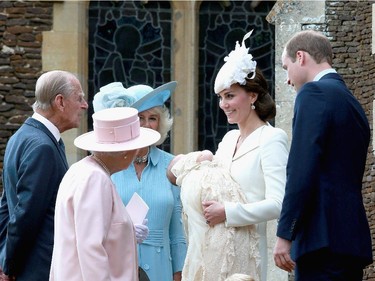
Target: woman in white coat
[(256, 154)]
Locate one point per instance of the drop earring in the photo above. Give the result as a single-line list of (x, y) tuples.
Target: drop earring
[(125, 157), (252, 106)]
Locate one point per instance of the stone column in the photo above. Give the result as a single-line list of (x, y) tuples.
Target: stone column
[(66, 48), (185, 54), (289, 17)]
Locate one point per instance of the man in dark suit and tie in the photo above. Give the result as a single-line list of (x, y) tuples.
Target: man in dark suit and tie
[(34, 164), (323, 232)]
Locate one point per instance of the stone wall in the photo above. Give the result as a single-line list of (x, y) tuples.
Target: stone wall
[(21, 27)]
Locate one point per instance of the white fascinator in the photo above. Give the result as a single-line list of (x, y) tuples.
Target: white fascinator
[(238, 65)]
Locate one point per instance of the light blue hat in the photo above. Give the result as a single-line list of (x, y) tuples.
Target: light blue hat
[(140, 97)]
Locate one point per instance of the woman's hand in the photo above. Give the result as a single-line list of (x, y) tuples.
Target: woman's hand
[(141, 231), (177, 276), (214, 212)]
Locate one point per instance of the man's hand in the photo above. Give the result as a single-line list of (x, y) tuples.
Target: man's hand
[(4, 277), (281, 254)]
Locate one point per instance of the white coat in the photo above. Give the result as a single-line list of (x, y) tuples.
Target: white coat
[(259, 166)]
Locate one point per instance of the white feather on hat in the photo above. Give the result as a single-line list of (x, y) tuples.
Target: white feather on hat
[(238, 64)]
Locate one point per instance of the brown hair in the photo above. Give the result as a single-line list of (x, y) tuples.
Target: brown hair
[(264, 105), (312, 42)]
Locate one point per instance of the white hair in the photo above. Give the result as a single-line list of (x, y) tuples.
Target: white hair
[(49, 85), (165, 122)]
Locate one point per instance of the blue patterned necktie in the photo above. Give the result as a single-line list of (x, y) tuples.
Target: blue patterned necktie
[(62, 151), (61, 145)]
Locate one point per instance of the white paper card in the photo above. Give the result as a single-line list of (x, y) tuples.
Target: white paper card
[(137, 209)]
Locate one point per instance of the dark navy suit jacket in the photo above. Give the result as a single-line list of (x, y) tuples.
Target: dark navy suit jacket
[(33, 168), (323, 206)]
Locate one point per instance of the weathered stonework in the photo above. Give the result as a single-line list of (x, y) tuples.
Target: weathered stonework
[(21, 27)]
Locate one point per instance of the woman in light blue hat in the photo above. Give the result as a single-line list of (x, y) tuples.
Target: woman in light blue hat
[(162, 253)]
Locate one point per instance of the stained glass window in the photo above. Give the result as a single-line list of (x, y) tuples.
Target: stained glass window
[(221, 24), (129, 42)]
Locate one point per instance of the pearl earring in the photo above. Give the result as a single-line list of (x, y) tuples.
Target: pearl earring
[(125, 157), (252, 106)]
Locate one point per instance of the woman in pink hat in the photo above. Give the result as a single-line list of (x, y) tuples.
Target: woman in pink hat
[(94, 235), (161, 253)]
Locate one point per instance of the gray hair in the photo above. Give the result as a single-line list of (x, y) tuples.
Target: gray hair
[(111, 154), (165, 122), (49, 85)]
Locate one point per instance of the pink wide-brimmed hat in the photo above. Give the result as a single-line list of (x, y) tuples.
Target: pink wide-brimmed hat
[(116, 129)]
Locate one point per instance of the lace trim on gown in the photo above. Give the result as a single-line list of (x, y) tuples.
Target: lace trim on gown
[(214, 253)]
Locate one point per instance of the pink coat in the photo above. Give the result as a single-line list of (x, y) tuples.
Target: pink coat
[(94, 235)]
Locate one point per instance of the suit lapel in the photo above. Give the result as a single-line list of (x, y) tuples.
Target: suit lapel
[(38, 125)]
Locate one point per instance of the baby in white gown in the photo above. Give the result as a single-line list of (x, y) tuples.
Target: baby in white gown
[(214, 253)]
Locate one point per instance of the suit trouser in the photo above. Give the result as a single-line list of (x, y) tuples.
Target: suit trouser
[(323, 265)]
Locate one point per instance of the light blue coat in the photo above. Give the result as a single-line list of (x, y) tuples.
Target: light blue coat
[(164, 250)]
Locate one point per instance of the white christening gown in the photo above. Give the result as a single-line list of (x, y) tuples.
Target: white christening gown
[(214, 253)]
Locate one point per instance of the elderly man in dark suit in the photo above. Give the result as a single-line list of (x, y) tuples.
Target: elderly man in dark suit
[(34, 165), (323, 232)]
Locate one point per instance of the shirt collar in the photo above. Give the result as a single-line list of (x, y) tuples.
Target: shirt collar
[(154, 155), (50, 126), (324, 72)]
